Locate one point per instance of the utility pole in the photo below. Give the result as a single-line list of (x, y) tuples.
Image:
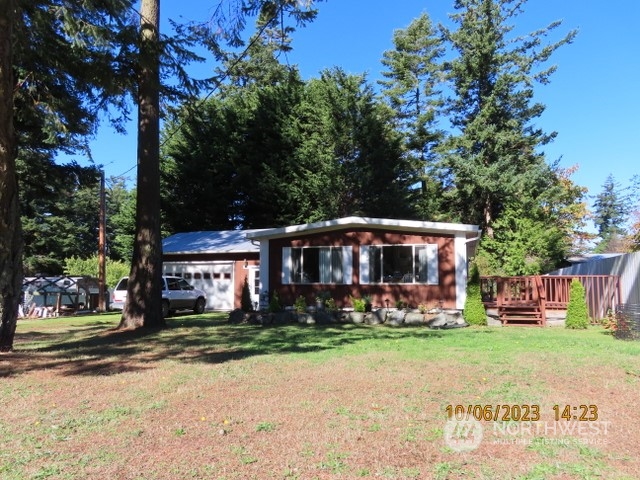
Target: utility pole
[(102, 235)]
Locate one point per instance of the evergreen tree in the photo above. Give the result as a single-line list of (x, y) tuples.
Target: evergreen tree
[(121, 214), (350, 152), (577, 310), (411, 87), (496, 151), (56, 75), (200, 163), (611, 210), (523, 244), (142, 307), (11, 243), (59, 205), (474, 312)]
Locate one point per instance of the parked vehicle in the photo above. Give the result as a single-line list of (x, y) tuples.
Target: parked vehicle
[(177, 294)]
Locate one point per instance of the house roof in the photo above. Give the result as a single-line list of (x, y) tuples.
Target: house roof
[(470, 231), (223, 241)]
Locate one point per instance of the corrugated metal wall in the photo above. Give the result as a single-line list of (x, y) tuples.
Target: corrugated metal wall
[(626, 266)]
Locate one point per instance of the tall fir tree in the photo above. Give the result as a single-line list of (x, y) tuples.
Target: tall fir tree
[(495, 152), (611, 210), (412, 82)]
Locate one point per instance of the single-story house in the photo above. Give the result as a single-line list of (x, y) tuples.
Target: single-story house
[(387, 260)]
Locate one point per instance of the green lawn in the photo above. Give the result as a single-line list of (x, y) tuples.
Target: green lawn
[(83, 401)]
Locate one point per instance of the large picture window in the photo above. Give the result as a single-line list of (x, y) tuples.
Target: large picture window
[(399, 264), (328, 265)]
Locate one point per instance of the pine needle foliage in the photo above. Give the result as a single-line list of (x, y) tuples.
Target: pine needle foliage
[(474, 312), (245, 301), (577, 311)]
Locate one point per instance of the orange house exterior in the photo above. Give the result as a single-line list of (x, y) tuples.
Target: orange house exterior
[(387, 260)]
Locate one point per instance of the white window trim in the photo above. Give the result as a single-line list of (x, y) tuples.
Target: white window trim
[(433, 267), (347, 265)]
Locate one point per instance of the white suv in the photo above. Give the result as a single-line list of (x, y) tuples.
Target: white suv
[(177, 294)]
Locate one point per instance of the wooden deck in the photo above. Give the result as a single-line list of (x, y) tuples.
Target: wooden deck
[(525, 300)]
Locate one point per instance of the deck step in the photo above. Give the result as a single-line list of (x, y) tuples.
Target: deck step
[(521, 314)]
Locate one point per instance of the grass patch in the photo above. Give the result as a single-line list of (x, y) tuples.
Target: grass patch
[(81, 400)]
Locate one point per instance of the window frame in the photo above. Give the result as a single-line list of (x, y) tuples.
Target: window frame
[(328, 258), (372, 263)]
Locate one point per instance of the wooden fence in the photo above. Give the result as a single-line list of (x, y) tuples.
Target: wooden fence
[(602, 292)]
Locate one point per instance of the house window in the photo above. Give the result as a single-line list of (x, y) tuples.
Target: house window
[(399, 264), (325, 265)]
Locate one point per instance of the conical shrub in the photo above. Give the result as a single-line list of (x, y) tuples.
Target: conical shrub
[(577, 311)]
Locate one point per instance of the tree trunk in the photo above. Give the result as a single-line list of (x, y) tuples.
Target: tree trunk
[(10, 228), (143, 306)]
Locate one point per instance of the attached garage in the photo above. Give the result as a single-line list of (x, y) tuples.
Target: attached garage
[(216, 262)]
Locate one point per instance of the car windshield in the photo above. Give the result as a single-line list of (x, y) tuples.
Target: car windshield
[(122, 284)]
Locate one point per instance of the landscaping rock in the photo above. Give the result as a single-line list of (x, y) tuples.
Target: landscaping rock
[(282, 318), (306, 318), (372, 319), (412, 318), (237, 316), (323, 317), (395, 318), (380, 314), (448, 319)]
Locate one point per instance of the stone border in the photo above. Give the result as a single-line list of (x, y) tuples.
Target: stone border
[(439, 319)]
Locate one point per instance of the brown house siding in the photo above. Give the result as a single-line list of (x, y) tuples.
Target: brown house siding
[(239, 274), (432, 295)]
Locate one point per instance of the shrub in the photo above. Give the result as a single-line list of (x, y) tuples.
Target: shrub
[(401, 304), (245, 301), (577, 311), (359, 304), (330, 304), (115, 269), (300, 304), (474, 312), (274, 303)]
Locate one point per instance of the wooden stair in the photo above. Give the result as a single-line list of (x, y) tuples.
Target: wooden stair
[(522, 302), (522, 314)]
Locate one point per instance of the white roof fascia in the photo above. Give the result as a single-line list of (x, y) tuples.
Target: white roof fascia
[(470, 231)]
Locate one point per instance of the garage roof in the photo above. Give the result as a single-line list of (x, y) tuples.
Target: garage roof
[(224, 241)]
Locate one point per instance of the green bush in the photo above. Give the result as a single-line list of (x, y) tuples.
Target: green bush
[(359, 304), (245, 301), (300, 304), (474, 312), (577, 311), (115, 269), (274, 303)]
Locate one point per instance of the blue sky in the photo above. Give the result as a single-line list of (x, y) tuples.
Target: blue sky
[(593, 100)]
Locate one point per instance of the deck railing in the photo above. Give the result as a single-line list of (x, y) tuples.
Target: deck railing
[(602, 291)]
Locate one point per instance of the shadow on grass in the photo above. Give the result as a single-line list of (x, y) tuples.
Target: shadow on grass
[(96, 348)]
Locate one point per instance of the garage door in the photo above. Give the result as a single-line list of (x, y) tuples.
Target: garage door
[(216, 279)]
